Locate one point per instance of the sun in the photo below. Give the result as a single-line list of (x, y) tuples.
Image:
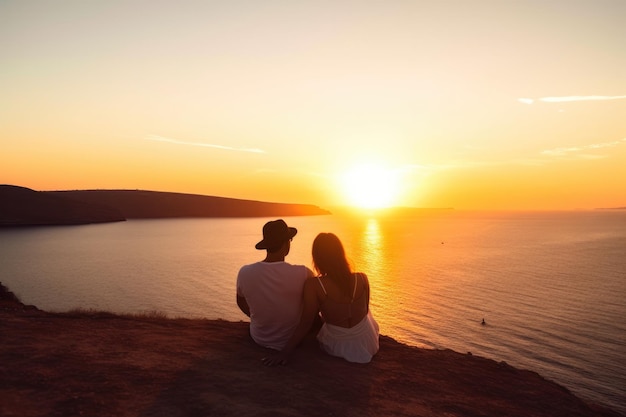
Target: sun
[(370, 186)]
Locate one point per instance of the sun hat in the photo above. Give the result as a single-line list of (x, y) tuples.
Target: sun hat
[(275, 233)]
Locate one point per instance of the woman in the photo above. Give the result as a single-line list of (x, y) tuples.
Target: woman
[(342, 297)]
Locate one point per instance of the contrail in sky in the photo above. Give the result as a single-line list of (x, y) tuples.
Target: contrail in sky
[(204, 145), (594, 146), (569, 98)]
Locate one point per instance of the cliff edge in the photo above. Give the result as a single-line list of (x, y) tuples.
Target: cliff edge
[(101, 364)]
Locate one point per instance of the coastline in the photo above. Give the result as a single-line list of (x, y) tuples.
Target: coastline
[(102, 364)]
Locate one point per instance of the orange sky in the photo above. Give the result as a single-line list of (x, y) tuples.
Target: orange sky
[(471, 105)]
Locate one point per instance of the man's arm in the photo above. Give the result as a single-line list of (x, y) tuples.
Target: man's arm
[(243, 305)]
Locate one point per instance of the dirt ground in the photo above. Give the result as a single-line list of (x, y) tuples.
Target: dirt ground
[(100, 364)]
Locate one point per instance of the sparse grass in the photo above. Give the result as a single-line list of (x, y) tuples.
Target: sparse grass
[(100, 314), (152, 314)]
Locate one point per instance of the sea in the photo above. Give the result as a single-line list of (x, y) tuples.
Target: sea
[(550, 286)]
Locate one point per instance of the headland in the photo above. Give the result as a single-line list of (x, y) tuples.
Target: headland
[(20, 206)]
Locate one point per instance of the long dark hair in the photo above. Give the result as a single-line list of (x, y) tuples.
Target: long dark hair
[(329, 258)]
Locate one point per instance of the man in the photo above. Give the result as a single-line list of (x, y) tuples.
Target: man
[(270, 291)]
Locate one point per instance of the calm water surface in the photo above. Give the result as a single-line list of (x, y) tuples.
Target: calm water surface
[(551, 286)]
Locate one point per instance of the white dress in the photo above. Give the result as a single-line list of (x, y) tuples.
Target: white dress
[(355, 344)]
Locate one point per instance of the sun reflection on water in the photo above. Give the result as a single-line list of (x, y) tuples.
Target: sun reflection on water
[(372, 254), (372, 246)]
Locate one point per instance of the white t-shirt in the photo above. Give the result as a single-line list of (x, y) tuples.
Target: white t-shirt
[(273, 291)]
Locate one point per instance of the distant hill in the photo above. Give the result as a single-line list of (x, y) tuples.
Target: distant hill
[(138, 204), (21, 206)]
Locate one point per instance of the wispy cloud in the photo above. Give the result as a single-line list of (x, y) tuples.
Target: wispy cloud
[(201, 144), (585, 152), (586, 148), (569, 98), (580, 98)]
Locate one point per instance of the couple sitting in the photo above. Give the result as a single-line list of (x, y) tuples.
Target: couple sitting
[(283, 301)]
